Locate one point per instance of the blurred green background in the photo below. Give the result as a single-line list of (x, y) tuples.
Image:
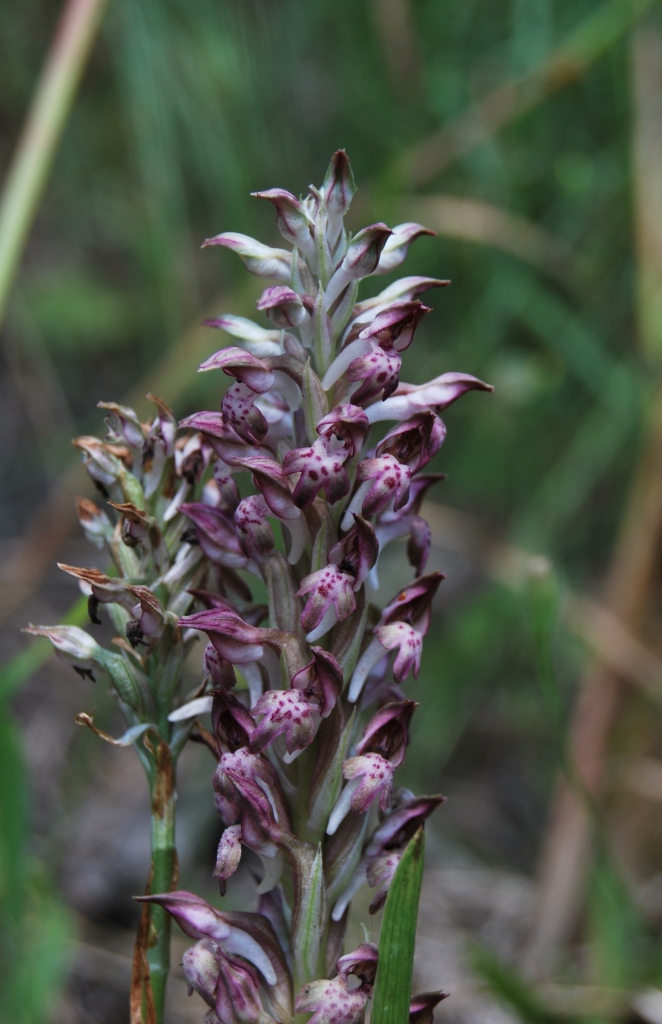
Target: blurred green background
[(528, 134)]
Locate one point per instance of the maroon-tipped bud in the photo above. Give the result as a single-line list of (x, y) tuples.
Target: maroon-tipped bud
[(405, 289), (414, 602), (293, 221), (415, 441), (348, 424), (231, 721), (243, 366), (270, 480), (216, 534), (338, 191), (397, 246), (238, 993), (364, 251), (421, 1007), (331, 1002), (402, 821), (320, 468), (288, 713), (357, 552), (361, 962), (395, 326), (259, 259), (387, 732), (283, 307), (321, 680), (228, 856)]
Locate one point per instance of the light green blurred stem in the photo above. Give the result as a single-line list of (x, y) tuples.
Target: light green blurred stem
[(41, 133)]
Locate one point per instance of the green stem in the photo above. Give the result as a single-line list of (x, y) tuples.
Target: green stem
[(42, 131), (164, 872)]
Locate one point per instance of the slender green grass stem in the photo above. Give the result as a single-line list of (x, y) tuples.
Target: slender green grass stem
[(163, 874), (41, 133)]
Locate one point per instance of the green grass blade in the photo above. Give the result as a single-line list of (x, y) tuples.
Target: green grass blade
[(397, 938)]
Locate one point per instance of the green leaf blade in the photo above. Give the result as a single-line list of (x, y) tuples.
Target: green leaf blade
[(398, 938)]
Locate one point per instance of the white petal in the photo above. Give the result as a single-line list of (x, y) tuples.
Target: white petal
[(199, 706)]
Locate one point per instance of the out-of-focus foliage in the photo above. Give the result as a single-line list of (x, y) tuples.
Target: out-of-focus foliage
[(188, 107)]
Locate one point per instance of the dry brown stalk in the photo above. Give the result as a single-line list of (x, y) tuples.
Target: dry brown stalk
[(628, 581)]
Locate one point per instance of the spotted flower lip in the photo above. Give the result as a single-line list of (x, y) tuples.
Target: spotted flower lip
[(391, 482), (408, 642), (374, 775), (216, 534), (321, 679), (243, 366), (331, 1002), (201, 970), (415, 441), (436, 394), (379, 370), (348, 423), (259, 259), (255, 534), (387, 732), (319, 469), (327, 589), (283, 306), (244, 416), (228, 856), (395, 251), (288, 713)]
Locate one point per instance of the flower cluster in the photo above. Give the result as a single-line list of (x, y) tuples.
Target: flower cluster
[(281, 490)]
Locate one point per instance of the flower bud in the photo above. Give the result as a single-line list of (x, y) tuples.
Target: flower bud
[(259, 259)]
